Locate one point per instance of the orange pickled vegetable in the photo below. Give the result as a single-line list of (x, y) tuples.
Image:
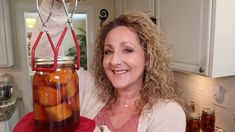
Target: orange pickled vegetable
[(60, 76), (70, 89), (49, 96), (75, 77), (39, 80), (59, 112), (39, 112), (74, 103)]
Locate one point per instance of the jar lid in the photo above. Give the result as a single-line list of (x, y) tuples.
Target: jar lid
[(60, 60), (194, 115), (208, 111)]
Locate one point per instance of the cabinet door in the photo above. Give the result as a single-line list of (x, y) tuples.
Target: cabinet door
[(185, 25), (147, 6), (223, 36), (6, 55)]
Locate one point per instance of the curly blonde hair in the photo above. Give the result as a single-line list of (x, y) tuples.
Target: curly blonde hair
[(158, 80)]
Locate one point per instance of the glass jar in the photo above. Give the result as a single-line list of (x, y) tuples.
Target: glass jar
[(193, 123), (56, 96), (208, 120)]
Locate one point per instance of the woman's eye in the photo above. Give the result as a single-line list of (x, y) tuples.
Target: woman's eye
[(107, 52), (128, 50)]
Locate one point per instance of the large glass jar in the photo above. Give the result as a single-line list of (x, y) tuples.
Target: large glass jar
[(193, 123), (56, 96), (208, 120)]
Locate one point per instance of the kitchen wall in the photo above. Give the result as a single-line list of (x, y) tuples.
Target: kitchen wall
[(20, 69), (201, 90)]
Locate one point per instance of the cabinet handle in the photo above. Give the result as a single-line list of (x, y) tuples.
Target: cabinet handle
[(201, 70)]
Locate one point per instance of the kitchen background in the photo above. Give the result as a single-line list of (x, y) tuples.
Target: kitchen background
[(201, 48)]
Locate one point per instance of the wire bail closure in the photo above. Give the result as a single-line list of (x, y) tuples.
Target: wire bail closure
[(44, 30), (69, 21), (55, 49)]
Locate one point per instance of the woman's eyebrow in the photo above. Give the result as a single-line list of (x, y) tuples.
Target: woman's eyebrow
[(128, 43), (108, 45)]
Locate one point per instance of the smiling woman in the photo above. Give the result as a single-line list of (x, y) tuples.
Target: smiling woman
[(131, 87), (132, 74)]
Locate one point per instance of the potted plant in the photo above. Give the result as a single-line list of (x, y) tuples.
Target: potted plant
[(83, 48)]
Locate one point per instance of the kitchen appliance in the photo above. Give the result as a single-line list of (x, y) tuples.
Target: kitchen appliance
[(7, 97), (9, 114), (6, 80), (6, 92), (9, 108)]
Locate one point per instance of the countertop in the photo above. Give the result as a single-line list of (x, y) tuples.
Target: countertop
[(6, 112)]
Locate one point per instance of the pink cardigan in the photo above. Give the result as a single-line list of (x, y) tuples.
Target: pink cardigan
[(166, 115)]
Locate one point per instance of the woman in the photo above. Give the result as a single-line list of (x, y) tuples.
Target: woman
[(132, 74), (131, 87)]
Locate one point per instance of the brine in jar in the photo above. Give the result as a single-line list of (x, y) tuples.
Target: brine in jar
[(208, 120), (56, 96), (193, 123)]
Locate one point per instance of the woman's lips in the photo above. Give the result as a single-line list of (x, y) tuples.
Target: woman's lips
[(119, 72)]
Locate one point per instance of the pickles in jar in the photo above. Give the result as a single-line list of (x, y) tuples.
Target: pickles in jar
[(56, 96)]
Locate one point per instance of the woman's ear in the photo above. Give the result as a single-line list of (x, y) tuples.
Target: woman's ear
[(146, 62)]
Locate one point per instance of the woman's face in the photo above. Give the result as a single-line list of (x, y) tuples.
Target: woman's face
[(124, 59)]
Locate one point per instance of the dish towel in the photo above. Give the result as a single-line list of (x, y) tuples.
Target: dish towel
[(27, 124)]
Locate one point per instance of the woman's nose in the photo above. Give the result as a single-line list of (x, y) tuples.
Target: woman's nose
[(116, 59)]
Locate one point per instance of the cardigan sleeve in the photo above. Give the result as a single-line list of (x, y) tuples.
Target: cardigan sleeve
[(90, 105), (167, 116)]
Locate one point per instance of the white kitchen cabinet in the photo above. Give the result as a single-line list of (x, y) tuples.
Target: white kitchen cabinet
[(6, 53), (201, 34), (147, 6)]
